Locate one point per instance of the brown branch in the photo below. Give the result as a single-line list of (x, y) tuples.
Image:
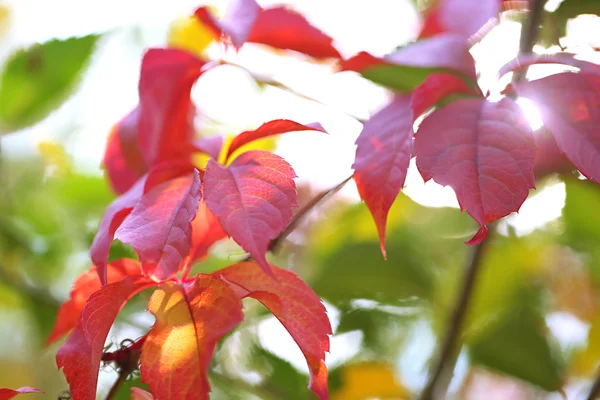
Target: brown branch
[(449, 349), (127, 359), (595, 390)]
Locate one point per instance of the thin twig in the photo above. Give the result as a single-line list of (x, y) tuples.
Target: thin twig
[(117, 385), (449, 351)]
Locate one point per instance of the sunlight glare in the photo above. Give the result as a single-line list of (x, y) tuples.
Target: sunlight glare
[(531, 112)]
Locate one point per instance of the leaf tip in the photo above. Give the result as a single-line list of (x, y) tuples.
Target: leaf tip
[(479, 237)]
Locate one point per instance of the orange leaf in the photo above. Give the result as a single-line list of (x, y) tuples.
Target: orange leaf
[(190, 320), (206, 230), (295, 305), (81, 354), (86, 284)]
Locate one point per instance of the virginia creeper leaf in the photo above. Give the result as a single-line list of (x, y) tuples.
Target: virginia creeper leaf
[(252, 198), (166, 111), (114, 215), (278, 27), (484, 151), (463, 17), (211, 145), (140, 394), (569, 105), (383, 153), (190, 320), (7, 394), (206, 230), (407, 68), (86, 284), (158, 228), (295, 305), (271, 128), (81, 354), (548, 158), (123, 161), (436, 88), (38, 79)]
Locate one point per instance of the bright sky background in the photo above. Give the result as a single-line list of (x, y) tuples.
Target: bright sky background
[(109, 91)]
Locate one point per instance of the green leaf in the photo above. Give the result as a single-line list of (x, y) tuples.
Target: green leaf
[(554, 24), (35, 81), (519, 345), (398, 77)]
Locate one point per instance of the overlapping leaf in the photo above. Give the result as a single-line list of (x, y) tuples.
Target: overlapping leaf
[(206, 230), (271, 128), (569, 104), (81, 354), (383, 153), (161, 128), (86, 284), (252, 198), (190, 320), (407, 68), (278, 27), (295, 305), (7, 394), (463, 17), (158, 228), (484, 151), (438, 88)]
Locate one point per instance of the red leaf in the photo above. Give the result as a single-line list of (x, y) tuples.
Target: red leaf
[(116, 212), (123, 161), (436, 88), (86, 284), (206, 230), (382, 156), (211, 145), (158, 228), (81, 354), (484, 151), (295, 305), (277, 27), (525, 61), (190, 320), (166, 111), (282, 28), (271, 128), (7, 394), (569, 104), (447, 51), (548, 158), (463, 17), (252, 198)]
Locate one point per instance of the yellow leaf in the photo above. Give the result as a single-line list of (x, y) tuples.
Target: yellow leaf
[(188, 33), (4, 19), (267, 144), (369, 380)]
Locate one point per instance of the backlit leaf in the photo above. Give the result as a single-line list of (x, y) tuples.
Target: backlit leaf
[(81, 354), (37, 80), (252, 198), (463, 17), (7, 394), (383, 153), (140, 394), (295, 305), (190, 320), (86, 284), (271, 128), (436, 88), (206, 230), (189, 33), (569, 105), (369, 380), (484, 151), (158, 228)]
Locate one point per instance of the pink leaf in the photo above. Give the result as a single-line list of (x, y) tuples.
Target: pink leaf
[(436, 88), (166, 110), (81, 354), (463, 17), (239, 20), (382, 156), (116, 212), (295, 305), (271, 128), (86, 284), (484, 151), (140, 394), (252, 198), (569, 104), (158, 228), (210, 146), (7, 394)]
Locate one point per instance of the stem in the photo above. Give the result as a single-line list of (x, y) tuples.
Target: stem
[(595, 390), (449, 351), (115, 387)]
